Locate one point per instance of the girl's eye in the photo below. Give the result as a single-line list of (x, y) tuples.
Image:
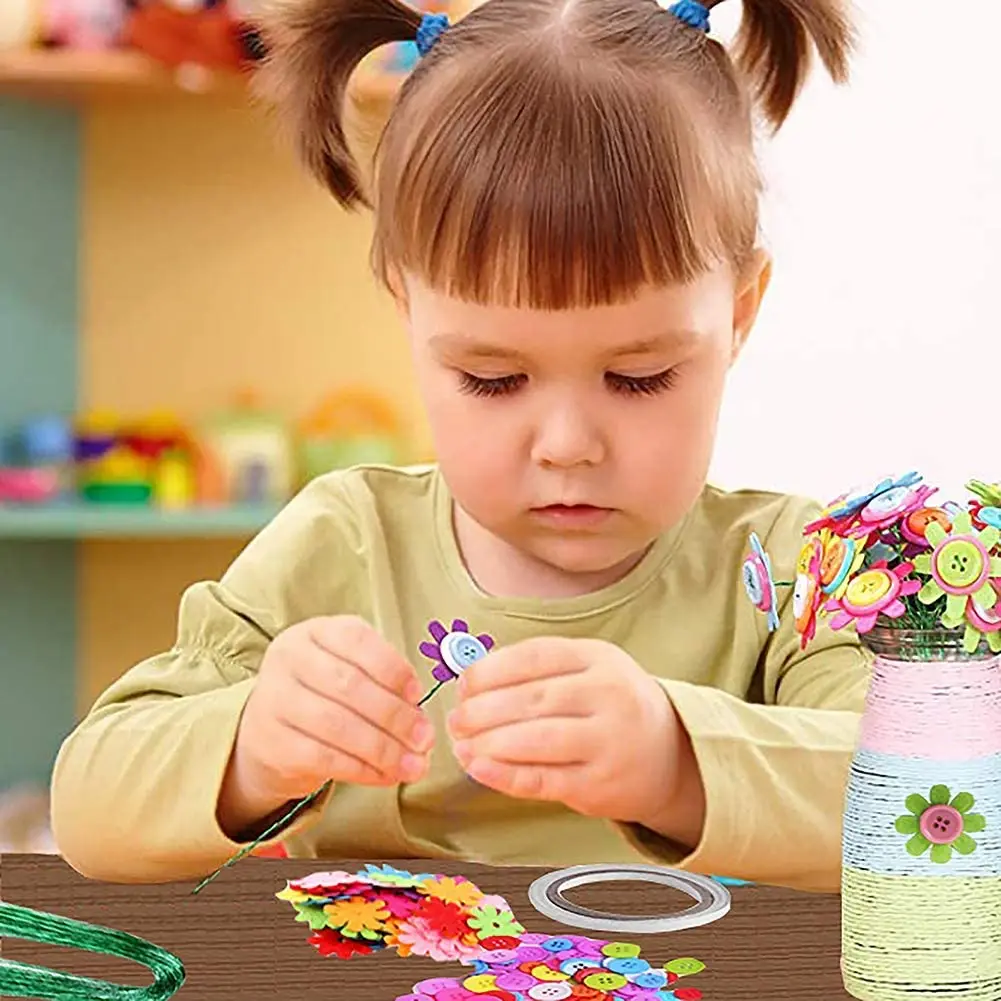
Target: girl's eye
[(500, 386), (646, 385)]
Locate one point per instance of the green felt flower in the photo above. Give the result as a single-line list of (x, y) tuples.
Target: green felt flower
[(942, 824), (311, 914), (989, 493), (488, 922)]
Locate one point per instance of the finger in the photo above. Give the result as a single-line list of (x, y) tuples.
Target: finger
[(339, 728), (551, 741), (355, 641), (310, 758), (562, 696), (552, 783), (542, 657), (335, 680)]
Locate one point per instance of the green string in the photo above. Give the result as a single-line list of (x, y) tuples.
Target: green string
[(24, 980), (286, 818)]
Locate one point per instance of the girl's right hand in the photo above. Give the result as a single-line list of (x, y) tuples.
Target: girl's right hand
[(333, 700)]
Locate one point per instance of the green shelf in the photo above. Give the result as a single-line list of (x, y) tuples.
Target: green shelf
[(96, 521)]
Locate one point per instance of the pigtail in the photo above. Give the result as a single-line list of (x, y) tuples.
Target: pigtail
[(775, 43), (313, 47)]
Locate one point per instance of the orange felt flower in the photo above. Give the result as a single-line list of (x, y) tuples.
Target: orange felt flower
[(356, 915), (452, 891)]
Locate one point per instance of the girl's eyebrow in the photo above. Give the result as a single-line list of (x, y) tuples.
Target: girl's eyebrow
[(466, 346)]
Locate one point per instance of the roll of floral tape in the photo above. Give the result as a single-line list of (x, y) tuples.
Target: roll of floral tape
[(546, 895)]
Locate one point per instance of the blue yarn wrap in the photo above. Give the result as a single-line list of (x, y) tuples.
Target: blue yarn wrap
[(432, 27), (877, 788), (693, 13)]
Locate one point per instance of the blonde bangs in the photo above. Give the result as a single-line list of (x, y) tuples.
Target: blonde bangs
[(488, 193)]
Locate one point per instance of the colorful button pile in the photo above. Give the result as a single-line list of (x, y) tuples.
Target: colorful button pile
[(574, 967), (449, 919)]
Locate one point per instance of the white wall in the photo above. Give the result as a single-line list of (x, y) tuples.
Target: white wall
[(878, 347)]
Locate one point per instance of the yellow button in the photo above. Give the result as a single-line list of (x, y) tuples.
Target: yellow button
[(541, 972), (868, 588), (480, 983)]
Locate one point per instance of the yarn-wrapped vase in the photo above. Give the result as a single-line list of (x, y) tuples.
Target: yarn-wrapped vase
[(921, 865)]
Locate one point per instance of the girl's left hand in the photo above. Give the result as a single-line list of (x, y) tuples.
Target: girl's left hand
[(576, 721)]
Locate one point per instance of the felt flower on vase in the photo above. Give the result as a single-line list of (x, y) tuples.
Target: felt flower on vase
[(839, 514), (940, 823), (876, 591), (982, 623), (841, 558), (807, 594), (960, 566), (887, 509), (455, 649), (759, 584)]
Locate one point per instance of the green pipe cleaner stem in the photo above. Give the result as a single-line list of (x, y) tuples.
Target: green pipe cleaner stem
[(286, 818)]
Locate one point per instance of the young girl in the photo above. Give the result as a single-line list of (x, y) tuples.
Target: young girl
[(565, 200)]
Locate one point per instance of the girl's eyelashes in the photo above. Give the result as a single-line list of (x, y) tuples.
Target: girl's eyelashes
[(500, 386), (646, 385)]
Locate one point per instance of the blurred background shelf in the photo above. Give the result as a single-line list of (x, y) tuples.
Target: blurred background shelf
[(73, 76), (92, 521)]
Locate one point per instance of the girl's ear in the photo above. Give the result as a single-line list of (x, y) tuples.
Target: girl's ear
[(751, 289)]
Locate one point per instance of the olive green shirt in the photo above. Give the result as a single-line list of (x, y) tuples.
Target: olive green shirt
[(135, 787)]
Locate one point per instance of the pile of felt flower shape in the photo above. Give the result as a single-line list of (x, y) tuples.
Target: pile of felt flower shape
[(889, 551), (449, 919), (446, 918)]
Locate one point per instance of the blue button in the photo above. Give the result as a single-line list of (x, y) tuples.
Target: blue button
[(628, 966), (461, 650), (557, 944), (651, 980)]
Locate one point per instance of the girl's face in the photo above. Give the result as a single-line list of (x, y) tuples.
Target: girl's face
[(572, 439)]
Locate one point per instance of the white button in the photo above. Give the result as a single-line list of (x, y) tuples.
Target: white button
[(550, 992)]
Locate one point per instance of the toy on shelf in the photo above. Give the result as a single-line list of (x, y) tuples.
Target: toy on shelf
[(206, 35), (254, 451), (351, 426), (88, 25), (244, 455)]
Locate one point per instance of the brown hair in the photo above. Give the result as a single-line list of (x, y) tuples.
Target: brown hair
[(552, 153)]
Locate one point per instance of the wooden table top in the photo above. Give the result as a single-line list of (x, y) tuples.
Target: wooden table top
[(237, 940)]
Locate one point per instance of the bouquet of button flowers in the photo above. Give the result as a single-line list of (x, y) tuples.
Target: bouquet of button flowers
[(920, 581), (888, 554)]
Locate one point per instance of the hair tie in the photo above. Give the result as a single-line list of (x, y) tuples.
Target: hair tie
[(431, 28), (693, 13)]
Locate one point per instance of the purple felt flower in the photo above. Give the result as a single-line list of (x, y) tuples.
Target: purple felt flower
[(455, 649)]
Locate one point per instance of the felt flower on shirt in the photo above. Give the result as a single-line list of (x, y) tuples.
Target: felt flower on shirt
[(759, 583), (807, 593), (940, 823), (455, 649), (874, 592)]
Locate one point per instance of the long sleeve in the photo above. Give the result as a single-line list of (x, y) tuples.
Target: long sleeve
[(774, 766), (135, 786)]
